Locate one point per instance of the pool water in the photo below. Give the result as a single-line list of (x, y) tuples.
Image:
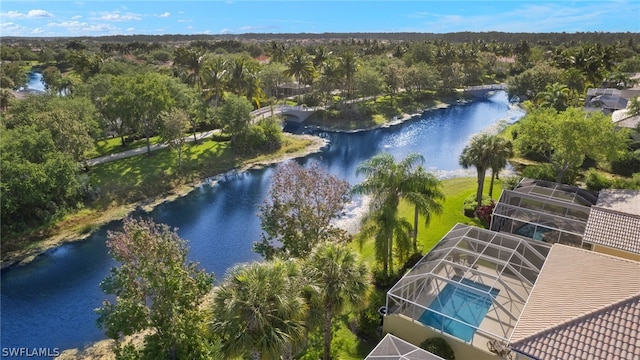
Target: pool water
[(460, 303), (531, 231)]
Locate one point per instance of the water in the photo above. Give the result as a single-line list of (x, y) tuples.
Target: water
[(35, 82), (50, 302)]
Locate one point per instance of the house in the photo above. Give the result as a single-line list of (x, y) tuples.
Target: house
[(516, 294), (608, 99), (613, 226), (293, 89), (584, 305)]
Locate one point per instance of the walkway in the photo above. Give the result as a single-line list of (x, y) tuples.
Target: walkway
[(298, 111), (142, 150)]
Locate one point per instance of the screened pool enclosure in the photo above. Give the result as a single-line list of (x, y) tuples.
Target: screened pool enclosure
[(544, 211), (473, 285)]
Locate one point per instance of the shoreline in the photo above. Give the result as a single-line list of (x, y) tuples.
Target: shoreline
[(67, 236)]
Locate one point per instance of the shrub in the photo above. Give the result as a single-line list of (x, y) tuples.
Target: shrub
[(440, 347), (265, 136), (510, 182), (469, 204), (596, 181), (546, 172), (485, 211)]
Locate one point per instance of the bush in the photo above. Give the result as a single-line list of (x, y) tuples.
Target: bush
[(485, 211), (546, 172), (440, 347), (469, 204), (510, 182), (596, 181), (265, 136)]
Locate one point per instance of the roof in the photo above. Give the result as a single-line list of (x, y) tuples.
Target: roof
[(489, 264), (623, 200), (393, 348), (612, 332), (576, 289), (615, 220)]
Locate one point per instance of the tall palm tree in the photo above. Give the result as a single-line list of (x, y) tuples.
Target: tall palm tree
[(424, 191), (299, 66), (388, 232), (339, 280), (330, 78), (259, 310), (388, 182), (478, 154), (214, 78), (349, 64), (191, 61), (501, 150)]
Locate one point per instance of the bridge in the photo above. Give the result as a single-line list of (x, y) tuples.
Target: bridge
[(293, 113), (483, 90)]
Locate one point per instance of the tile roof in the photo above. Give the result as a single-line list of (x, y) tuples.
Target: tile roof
[(612, 332), (613, 229), (576, 288), (393, 348)]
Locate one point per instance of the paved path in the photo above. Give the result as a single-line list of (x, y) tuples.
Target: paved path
[(277, 109), (142, 150)]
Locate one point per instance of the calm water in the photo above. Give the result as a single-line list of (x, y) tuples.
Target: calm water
[(50, 302)]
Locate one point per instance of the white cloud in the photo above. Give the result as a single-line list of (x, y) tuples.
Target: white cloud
[(117, 16), (76, 17), (130, 29), (38, 14), (225, 31), (165, 14), (37, 31), (13, 15), (190, 27), (76, 27), (13, 29), (184, 20)]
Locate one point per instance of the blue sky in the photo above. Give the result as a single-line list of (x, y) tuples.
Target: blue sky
[(95, 18)]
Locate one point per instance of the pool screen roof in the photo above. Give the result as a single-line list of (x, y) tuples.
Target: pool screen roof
[(559, 210), (499, 263)]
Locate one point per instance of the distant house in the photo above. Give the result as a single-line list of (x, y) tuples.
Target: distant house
[(293, 89), (609, 100)]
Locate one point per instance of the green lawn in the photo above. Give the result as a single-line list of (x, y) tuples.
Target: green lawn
[(114, 145), (142, 176), (456, 190)]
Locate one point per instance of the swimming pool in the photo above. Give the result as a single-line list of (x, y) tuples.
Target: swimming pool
[(460, 303), (532, 231)]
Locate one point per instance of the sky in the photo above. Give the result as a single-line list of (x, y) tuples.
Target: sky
[(97, 18)]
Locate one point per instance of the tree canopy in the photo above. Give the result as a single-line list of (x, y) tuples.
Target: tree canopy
[(565, 139)]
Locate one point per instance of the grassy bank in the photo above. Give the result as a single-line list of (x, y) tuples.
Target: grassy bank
[(145, 181)]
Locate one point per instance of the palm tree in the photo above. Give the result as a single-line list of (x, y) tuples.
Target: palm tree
[(299, 66), (339, 280), (330, 77), (555, 95), (501, 150), (259, 310), (478, 154), (5, 98), (214, 79), (349, 65), (424, 191), (382, 223), (191, 61), (388, 182)]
